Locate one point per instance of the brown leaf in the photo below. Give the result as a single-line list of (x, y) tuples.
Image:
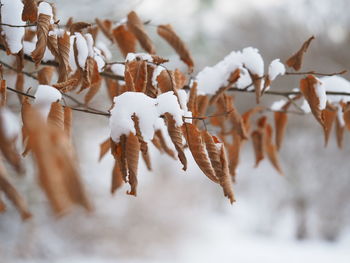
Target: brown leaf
[(117, 178), (95, 84), (43, 26), (45, 75), (8, 148), (214, 155), (271, 149), (30, 11), (192, 100), (106, 28), (132, 159), (20, 85), (138, 73), (125, 39), (197, 148), (346, 115), (68, 115), (232, 79), (236, 118), (167, 33), (160, 141), (233, 153), (248, 114), (166, 81), (12, 194), (258, 144), (328, 116), (175, 134), (296, 60), (339, 133), (225, 180), (135, 25), (56, 116), (67, 85), (151, 91), (57, 167), (308, 89), (202, 105), (3, 93), (257, 81), (78, 27), (52, 43), (143, 144), (105, 146), (281, 119), (63, 46), (179, 79), (2, 206)]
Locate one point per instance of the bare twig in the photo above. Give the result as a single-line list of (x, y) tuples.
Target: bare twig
[(317, 73)]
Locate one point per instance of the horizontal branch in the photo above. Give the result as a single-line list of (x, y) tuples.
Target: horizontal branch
[(10, 25), (317, 73)]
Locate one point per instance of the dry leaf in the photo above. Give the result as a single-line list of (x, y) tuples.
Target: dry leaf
[(308, 89), (271, 150), (125, 39), (135, 25), (167, 32), (105, 146), (45, 75), (225, 180), (78, 27), (63, 46), (151, 91), (160, 141), (117, 178), (138, 74), (56, 116), (176, 137), (12, 194), (339, 133), (197, 148), (3, 93), (328, 116), (106, 28), (281, 119), (296, 60), (68, 115), (43, 26), (132, 159), (30, 11)]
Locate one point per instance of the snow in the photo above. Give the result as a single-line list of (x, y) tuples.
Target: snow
[(9, 123), (44, 96), (11, 13), (183, 98), (103, 47), (253, 61), (147, 109), (72, 61), (210, 79), (276, 68), (340, 116), (28, 48), (277, 105), (99, 60), (118, 69), (321, 94), (142, 56), (156, 73), (305, 106), (336, 84), (82, 48), (90, 44), (45, 8)]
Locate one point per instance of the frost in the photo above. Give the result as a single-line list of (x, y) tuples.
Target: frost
[(276, 68), (44, 96), (142, 56), (9, 123), (11, 13), (277, 105), (147, 109), (83, 50)]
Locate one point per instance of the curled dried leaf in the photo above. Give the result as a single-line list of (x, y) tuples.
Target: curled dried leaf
[(68, 115), (138, 74), (132, 159), (106, 28), (167, 33), (225, 180), (56, 116), (43, 26), (78, 27), (161, 144), (63, 46), (329, 115), (105, 146), (3, 93), (117, 178), (175, 134), (258, 144), (197, 148), (296, 60), (339, 127)]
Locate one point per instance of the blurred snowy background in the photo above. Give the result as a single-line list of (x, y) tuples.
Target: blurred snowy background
[(183, 217)]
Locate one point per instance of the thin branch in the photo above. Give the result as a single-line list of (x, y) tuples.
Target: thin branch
[(10, 25), (21, 93), (317, 73)]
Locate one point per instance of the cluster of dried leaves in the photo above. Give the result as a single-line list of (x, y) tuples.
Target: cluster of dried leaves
[(49, 140)]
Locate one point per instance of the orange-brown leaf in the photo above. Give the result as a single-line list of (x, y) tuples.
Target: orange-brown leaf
[(197, 148), (3, 93), (30, 11), (56, 116), (117, 178), (135, 25), (125, 39), (281, 119), (296, 60), (167, 32), (132, 159), (45, 75), (68, 115), (43, 25), (328, 116), (105, 146), (225, 180)]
